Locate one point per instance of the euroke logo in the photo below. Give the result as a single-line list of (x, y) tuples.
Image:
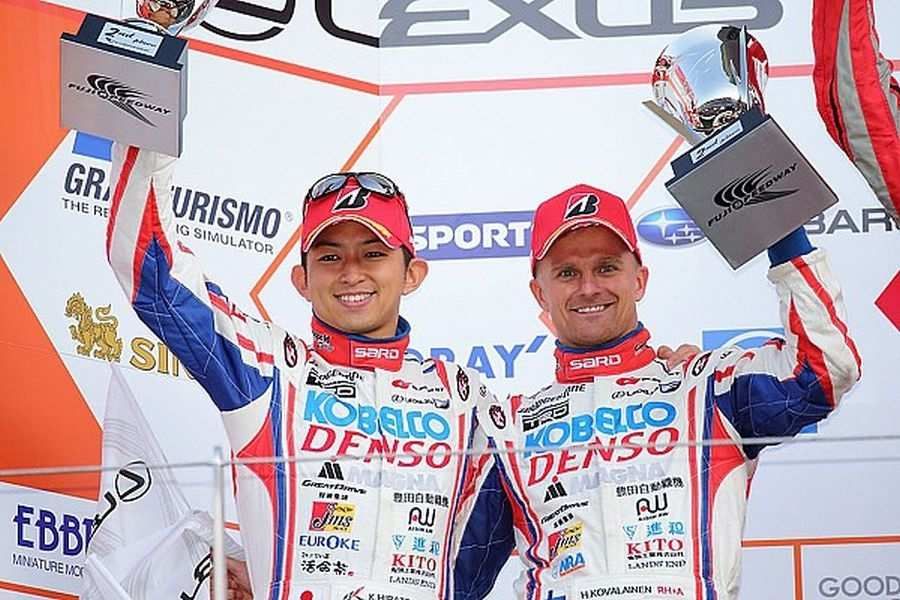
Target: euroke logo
[(750, 189), (121, 95)]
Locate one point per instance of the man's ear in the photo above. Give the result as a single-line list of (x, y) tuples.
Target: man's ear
[(416, 272), (643, 275), (538, 292), (298, 278)]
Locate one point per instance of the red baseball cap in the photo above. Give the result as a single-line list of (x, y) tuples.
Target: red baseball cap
[(580, 206), (386, 215)]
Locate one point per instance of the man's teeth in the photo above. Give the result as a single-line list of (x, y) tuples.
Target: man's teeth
[(591, 309), (355, 298)]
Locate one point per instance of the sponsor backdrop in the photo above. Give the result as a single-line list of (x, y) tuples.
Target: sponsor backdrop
[(480, 109)]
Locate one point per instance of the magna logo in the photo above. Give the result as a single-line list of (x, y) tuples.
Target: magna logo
[(606, 420), (750, 189), (669, 227), (120, 95)]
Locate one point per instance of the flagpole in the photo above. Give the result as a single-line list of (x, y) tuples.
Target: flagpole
[(219, 568)]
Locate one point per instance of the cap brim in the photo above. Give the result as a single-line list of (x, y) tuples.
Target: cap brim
[(577, 224), (378, 229)]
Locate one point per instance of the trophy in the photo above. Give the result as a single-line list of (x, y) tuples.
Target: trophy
[(127, 80), (744, 183)]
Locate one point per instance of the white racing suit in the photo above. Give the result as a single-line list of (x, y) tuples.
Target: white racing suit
[(377, 527), (659, 519)]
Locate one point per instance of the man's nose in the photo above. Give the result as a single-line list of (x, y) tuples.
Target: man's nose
[(352, 272)]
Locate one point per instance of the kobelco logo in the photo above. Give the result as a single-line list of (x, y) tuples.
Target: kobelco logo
[(325, 408), (606, 420), (581, 205), (450, 25)]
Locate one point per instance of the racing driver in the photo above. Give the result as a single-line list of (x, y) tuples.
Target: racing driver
[(379, 525), (661, 518)]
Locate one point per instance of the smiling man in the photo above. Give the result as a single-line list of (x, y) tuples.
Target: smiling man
[(380, 525), (613, 497)]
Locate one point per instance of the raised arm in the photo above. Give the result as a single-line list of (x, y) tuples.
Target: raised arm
[(857, 97), (789, 383), (227, 352)]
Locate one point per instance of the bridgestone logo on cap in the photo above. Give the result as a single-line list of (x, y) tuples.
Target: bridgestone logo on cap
[(353, 200), (582, 206)]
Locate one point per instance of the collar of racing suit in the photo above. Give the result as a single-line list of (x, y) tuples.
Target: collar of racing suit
[(350, 350), (623, 354)]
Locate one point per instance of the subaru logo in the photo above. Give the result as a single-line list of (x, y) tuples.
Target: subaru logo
[(669, 227)]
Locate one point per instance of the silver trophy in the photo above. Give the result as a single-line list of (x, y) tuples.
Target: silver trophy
[(127, 80), (744, 183)]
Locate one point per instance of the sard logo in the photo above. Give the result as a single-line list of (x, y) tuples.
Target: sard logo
[(750, 189), (96, 330), (120, 95)]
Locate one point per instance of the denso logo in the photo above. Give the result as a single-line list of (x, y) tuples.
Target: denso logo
[(325, 408), (669, 227), (593, 362), (606, 420), (477, 235), (385, 353)]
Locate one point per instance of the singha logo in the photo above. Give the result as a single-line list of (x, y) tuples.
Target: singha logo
[(96, 330)]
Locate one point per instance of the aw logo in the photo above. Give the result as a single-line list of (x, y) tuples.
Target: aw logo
[(669, 227), (747, 339)]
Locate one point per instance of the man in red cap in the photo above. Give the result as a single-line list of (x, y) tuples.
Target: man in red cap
[(383, 524), (617, 494)]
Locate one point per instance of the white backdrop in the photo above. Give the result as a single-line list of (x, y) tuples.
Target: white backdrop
[(477, 133)]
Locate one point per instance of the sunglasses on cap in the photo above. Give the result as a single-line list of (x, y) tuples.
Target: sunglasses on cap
[(369, 181)]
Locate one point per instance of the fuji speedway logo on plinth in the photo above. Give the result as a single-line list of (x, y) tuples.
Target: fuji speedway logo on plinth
[(120, 95), (750, 189)]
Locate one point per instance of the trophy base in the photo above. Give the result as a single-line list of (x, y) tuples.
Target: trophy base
[(124, 83), (747, 187)]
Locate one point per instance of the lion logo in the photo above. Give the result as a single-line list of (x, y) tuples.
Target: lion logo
[(96, 329)]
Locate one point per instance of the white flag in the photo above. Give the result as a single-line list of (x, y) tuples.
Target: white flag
[(147, 543)]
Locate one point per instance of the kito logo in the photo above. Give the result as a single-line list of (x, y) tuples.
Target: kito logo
[(454, 23), (669, 227), (475, 235), (872, 586)]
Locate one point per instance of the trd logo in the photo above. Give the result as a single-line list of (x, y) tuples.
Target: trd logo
[(403, 16), (582, 206)]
